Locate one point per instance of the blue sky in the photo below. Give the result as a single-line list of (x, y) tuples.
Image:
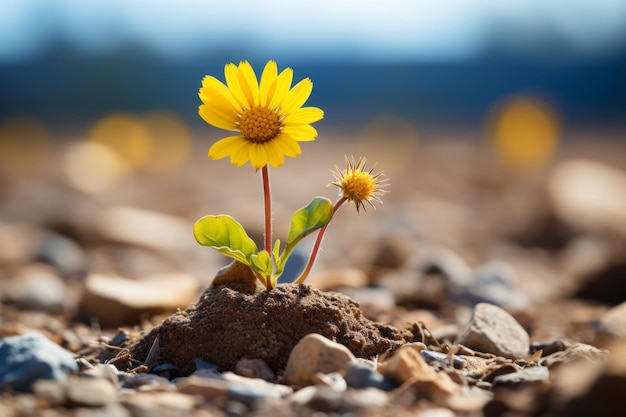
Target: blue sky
[(411, 30)]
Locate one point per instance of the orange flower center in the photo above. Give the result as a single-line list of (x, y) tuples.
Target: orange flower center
[(259, 124), (358, 185)]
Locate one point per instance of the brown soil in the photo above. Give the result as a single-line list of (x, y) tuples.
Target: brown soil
[(226, 326)]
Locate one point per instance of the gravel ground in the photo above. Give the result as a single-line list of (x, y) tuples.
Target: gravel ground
[(498, 292)]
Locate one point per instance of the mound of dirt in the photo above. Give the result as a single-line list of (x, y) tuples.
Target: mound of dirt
[(227, 325)]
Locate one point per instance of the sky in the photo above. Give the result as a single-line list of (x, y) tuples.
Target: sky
[(400, 30)]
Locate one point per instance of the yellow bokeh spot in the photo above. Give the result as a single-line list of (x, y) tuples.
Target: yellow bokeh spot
[(124, 134), (24, 146), (170, 142), (525, 132)]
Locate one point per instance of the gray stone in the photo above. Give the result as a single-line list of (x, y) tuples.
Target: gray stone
[(493, 330), (31, 357), (361, 375), (526, 375)]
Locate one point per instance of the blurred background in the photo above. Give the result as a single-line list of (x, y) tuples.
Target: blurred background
[(470, 107)]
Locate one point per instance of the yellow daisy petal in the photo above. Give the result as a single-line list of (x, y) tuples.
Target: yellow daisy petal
[(258, 156), (212, 83), (227, 146), (231, 72), (275, 154), (283, 83), (268, 82), (215, 116), (241, 156), (304, 115), (296, 96), (249, 83), (300, 132), (288, 145)]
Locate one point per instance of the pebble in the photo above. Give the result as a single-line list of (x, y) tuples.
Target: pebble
[(146, 404), (313, 354), (255, 368), (431, 356), (327, 400), (613, 322), (90, 392), (492, 330), (524, 376), (333, 380), (117, 301), (361, 375), (407, 364), (31, 357), (37, 287)]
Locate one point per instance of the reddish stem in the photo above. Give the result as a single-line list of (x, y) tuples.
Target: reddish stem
[(267, 199), (318, 244)]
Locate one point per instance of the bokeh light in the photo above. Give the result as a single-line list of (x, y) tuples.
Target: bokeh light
[(124, 134), (525, 132), (170, 142), (93, 168), (25, 145)]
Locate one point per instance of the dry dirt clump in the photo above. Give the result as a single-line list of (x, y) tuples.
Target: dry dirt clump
[(226, 326)]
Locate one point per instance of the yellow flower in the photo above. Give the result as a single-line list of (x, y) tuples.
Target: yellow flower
[(358, 185), (268, 115)]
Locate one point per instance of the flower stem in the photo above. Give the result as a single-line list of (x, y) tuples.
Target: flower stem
[(267, 200), (318, 244)]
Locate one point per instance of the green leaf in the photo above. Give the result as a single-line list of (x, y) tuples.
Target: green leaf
[(262, 263), (310, 218), (305, 221), (226, 235)]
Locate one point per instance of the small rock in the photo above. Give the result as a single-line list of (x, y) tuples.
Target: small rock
[(30, 357), (431, 357), (159, 404), (104, 371), (313, 354), (327, 400), (613, 322), (254, 398), (255, 368), (146, 382), (493, 330), (407, 364), (525, 376), (117, 301), (333, 380), (37, 287), (90, 392), (361, 375), (210, 389)]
